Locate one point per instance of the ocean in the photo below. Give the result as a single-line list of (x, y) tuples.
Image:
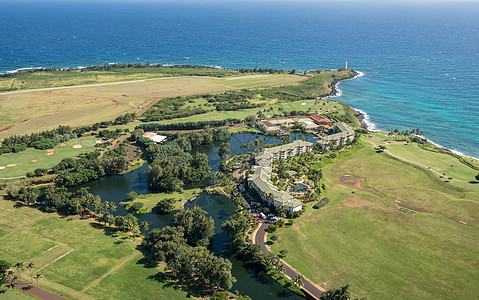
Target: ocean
[(420, 61)]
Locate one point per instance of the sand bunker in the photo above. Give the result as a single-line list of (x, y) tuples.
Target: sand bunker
[(77, 146), (12, 165), (50, 153), (35, 160), (304, 103), (2, 167), (99, 141), (63, 144)]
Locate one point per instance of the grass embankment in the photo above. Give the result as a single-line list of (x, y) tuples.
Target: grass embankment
[(363, 240), (77, 259), (35, 111)]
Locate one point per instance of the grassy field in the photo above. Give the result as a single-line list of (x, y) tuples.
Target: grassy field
[(42, 79), (77, 259), (150, 200), (33, 111), (24, 159), (439, 162), (363, 240), (12, 294)]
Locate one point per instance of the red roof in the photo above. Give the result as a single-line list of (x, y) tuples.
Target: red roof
[(320, 120)]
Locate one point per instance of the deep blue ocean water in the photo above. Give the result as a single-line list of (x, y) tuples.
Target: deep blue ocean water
[(420, 61)]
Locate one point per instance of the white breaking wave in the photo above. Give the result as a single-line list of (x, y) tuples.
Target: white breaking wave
[(366, 120), (339, 92), (452, 150)]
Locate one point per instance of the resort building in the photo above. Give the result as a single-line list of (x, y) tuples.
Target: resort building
[(307, 122), (260, 176), (155, 137), (342, 134)]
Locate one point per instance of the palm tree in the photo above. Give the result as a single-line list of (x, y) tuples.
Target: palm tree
[(299, 281), (145, 225), (38, 277), (20, 266), (31, 266), (281, 268)]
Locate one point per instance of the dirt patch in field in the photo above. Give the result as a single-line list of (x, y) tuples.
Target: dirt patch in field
[(351, 181), (12, 165), (35, 160), (6, 128), (77, 146)]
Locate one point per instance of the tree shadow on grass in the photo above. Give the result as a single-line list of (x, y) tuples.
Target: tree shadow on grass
[(191, 288), (107, 230), (146, 263)]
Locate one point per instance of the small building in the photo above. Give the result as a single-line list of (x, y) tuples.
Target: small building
[(155, 137), (320, 120)]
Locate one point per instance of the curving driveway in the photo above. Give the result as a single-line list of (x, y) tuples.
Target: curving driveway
[(313, 289)]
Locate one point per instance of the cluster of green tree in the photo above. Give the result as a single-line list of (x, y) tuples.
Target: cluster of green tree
[(261, 70), (37, 173), (224, 295), (171, 108), (172, 165), (185, 70), (124, 119), (109, 134), (170, 173), (4, 274), (183, 248), (397, 134), (321, 203), (187, 125), (164, 206), (72, 172), (254, 144), (38, 140)]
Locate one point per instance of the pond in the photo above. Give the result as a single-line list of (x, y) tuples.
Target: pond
[(115, 188)]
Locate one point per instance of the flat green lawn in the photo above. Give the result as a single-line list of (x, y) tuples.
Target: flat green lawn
[(150, 200), (439, 162), (363, 240), (75, 256), (24, 159), (149, 283)]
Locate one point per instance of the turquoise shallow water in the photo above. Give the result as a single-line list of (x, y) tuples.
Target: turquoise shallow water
[(420, 61)]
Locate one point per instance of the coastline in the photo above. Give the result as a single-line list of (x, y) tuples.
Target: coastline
[(366, 122)]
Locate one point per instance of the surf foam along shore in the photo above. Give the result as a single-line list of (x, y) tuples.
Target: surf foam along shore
[(365, 121), (338, 92)]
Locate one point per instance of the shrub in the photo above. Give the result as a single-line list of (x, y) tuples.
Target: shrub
[(135, 206), (44, 144)]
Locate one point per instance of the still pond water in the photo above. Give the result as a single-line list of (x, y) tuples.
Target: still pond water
[(115, 188)]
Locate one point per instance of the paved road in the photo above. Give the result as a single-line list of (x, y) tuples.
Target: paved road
[(310, 287)]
